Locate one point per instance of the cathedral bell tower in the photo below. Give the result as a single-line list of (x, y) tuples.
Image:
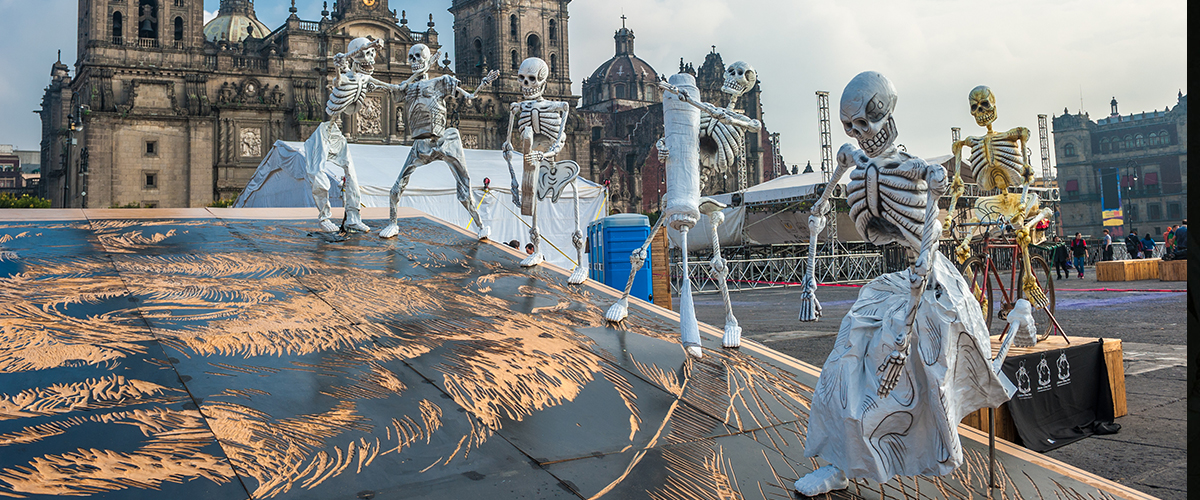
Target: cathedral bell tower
[(499, 35), (349, 9)]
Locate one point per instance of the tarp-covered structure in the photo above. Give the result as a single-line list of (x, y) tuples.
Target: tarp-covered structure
[(280, 182)]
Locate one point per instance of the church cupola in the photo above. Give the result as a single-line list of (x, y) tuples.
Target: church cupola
[(624, 38), (235, 22)]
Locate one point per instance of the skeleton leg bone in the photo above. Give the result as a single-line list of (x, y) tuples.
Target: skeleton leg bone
[(689, 329), (465, 196), (733, 332), (414, 161), (637, 258), (534, 237), (580, 273), (351, 201)]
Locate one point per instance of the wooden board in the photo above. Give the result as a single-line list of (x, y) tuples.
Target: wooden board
[(1127, 270), (660, 271), (1113, 356), (1172, 270)]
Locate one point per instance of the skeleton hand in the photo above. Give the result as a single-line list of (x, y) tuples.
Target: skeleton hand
[(962, 252), (810, 307), (1021, 324), (535, 157), (663, 152), (1033, 292), (893, 367)]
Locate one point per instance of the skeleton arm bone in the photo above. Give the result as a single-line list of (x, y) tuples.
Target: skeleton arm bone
[(810, 307), (508, 150), (492, 75), (723, 115)]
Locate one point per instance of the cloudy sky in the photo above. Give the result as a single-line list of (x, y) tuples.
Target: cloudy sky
[(1039, 57)]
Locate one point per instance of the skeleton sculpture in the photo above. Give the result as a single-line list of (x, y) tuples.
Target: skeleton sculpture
[(729, 139), (999, 160), (328, 144), (542, 125), (680, 151), (913, 355), (425, 117)]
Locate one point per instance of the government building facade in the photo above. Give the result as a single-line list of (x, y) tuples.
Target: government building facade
[(164, 110), (1136, 163)]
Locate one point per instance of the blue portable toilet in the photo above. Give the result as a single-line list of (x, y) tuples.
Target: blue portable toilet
[(610, 242)]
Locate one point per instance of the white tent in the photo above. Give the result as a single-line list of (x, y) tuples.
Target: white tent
[(280, 182)]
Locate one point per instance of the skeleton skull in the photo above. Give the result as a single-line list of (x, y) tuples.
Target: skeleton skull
[(867, 106), (419, 58), (363, 60), (739, 78), (532, 76), (983, 105)]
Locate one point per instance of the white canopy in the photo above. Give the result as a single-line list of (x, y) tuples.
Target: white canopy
[(280, 182)]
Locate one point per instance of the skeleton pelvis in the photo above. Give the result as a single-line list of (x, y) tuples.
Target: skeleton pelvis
[(554, 177)]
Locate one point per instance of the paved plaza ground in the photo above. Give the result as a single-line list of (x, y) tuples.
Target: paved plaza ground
[(1148, 454)]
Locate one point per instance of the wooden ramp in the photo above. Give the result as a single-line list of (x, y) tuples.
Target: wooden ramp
[(230, 354)]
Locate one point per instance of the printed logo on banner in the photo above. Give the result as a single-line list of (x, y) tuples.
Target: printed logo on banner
[(1064, 370), (1023, 389), (1043, 369)]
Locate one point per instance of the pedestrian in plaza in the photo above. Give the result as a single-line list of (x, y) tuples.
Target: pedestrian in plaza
[(1080, 250), (1148, 247), (1169, 240), (1106, 247), (1181, 243), (1059, 255), (515, 244), (529, 248), (1133, 245)]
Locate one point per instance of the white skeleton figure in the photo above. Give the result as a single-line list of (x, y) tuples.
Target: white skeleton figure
[(541, 125), (683, 168), (353, 83), (729, 138), (425, 117), (876, 413), (999, 160)]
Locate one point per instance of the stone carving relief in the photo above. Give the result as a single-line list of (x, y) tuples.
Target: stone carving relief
[(369, 117), (251, 139)]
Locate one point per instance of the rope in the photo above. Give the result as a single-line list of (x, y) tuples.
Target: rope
[(546, 239)]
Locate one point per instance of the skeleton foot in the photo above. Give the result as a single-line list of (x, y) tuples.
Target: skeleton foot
[(810, 307), (328, 226), (1034, 293), (578, 276), (733, 333), (390, 231), (354, 222), (533, 260), (695, 351), (618, 311), (485, 232), (823, 480)]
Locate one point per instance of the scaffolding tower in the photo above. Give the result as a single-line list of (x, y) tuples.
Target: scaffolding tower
[(1044, 139), (827, 169), (777, 161)]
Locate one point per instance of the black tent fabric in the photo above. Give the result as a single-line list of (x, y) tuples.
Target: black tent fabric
[(1062, 396)]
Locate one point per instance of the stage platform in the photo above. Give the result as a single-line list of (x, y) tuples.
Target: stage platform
[(231, 354)]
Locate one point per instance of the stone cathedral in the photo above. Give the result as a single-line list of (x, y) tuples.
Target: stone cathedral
[(164, 110)]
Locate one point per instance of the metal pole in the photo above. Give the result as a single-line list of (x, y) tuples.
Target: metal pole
[(992, 448)]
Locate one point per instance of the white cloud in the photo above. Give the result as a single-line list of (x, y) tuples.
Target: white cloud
[(208, 16)]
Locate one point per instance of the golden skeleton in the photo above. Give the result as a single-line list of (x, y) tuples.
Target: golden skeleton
[(1000, 160)]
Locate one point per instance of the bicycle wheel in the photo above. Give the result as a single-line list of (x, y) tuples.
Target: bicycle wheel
[(975, 273), (1041, 273)]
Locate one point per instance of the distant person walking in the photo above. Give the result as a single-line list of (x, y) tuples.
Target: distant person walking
[(1080, 250), (1059, 254), (1181, 243), (1106, 247), (1133, 245), (1148, 247)]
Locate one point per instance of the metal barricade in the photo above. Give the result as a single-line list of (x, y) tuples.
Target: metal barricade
[(752, 274)]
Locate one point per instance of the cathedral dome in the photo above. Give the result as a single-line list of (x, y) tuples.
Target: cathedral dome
[(623, 68), (625, 77), (235, 22)]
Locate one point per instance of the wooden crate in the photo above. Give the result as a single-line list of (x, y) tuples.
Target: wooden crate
[(660, 269), (1172, 270), (1113, 357), (1127, 270)]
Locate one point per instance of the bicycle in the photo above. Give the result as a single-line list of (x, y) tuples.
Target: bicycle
[(978, 271)]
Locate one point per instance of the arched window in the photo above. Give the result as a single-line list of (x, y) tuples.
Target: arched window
[(1128, 141), (619, 90), (515, 62), (147, 19), (178, 29), (1139, 141), (534, 45), (553, 32), (478, 53), (1069, 150), (118, 28), (512, 27), (1105, 145), (1153, 139), (1163, 137), (553, 64)]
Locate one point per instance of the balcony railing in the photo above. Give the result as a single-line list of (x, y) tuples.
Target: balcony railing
[(147, 43), (310, 26)]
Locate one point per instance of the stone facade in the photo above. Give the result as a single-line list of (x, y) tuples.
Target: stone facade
[(1140, 157)]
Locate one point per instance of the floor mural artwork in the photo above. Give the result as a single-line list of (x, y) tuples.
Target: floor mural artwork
[(210, 354)]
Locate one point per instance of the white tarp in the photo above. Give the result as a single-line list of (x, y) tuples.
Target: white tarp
[(280, 182)]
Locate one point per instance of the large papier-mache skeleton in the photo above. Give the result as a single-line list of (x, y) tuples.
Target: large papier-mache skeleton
[(685, 119), (328, 144), (912, 356), (1000, 160), (425, 117), (542, 126)]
